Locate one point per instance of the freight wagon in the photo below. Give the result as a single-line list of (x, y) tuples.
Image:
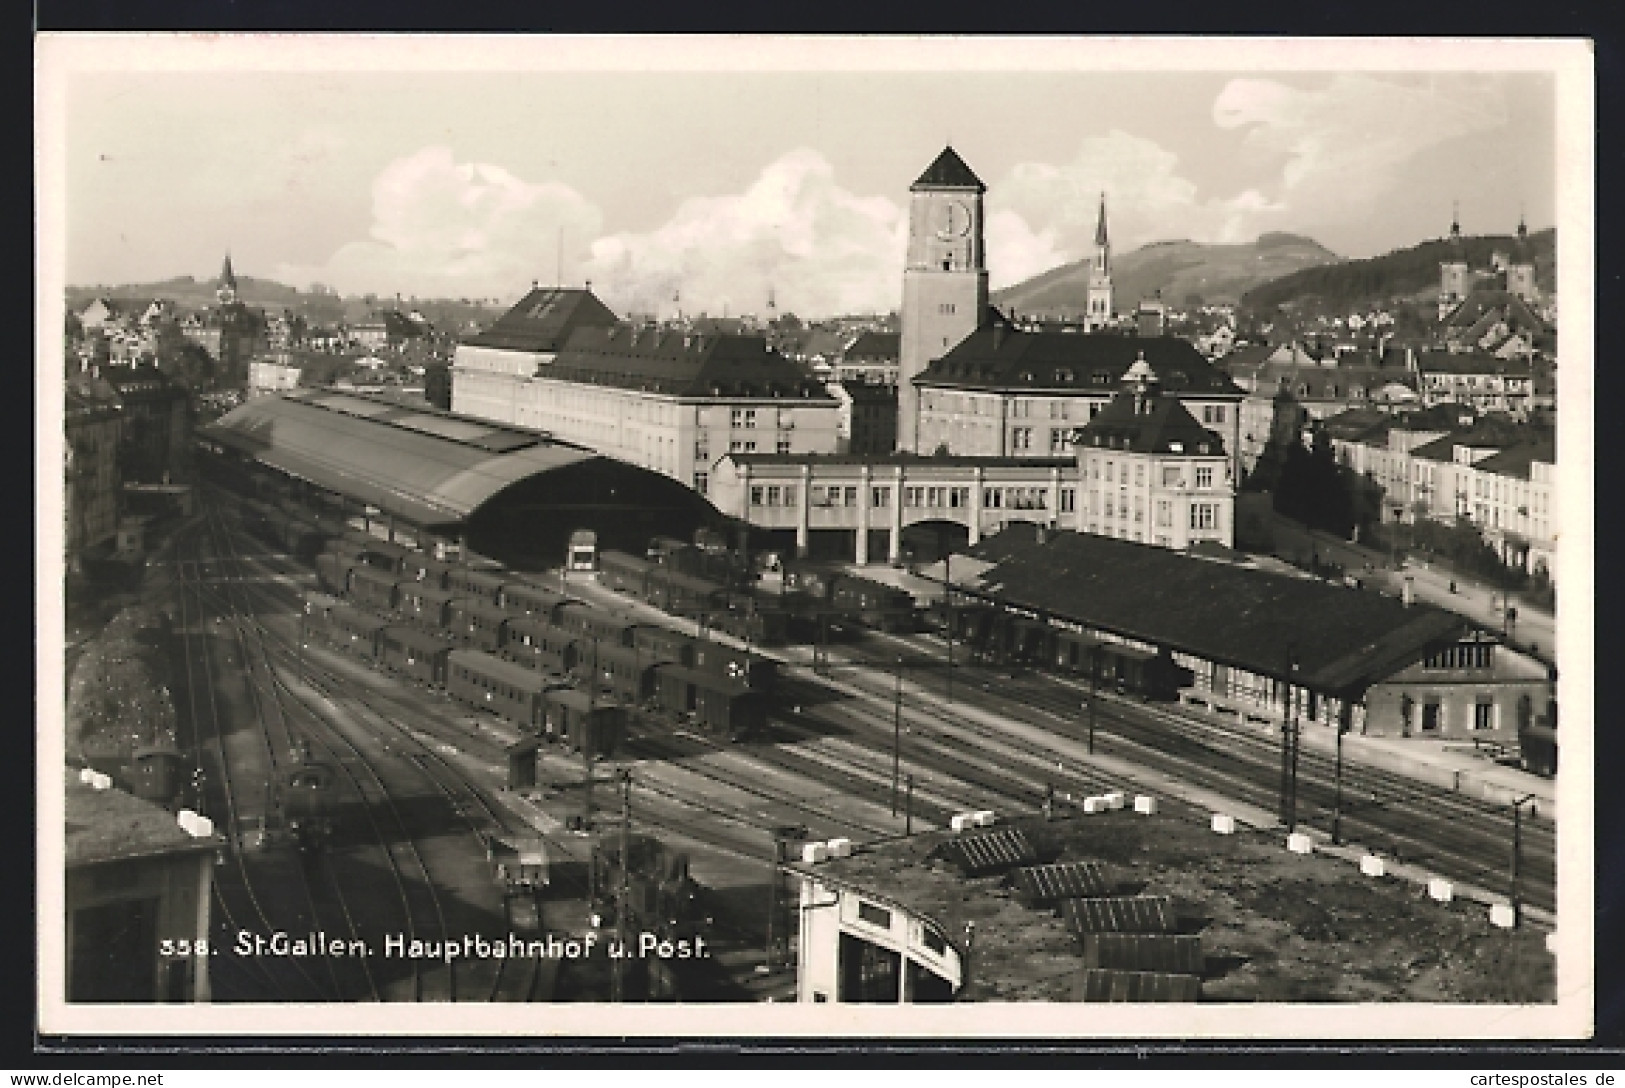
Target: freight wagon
[(579, 721)]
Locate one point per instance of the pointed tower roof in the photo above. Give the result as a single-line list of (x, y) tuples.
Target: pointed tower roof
[(1455, 221), (948, 172), (227, 277), (1100, 228)]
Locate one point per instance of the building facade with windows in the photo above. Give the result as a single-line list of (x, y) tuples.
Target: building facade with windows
[(1149, 472), (669, 401), (1008, 392), (1486, 383), (863, 504)]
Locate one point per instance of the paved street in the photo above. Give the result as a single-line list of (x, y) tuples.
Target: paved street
[(1534, 630)]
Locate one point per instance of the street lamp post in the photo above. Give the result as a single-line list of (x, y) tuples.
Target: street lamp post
[(896, 734), (1289, 751), (1337, 796), (948, 600), (1094, 693), (1517, 856), (908, 807), (624, 900)]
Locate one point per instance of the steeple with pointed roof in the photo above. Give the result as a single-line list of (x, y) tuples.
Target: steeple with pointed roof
[(226, 290), (948, 172), (1099, 297)]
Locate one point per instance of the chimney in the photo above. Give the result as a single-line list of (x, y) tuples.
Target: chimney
[(1407, 593)]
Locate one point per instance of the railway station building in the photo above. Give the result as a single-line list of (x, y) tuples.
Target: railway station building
[(1264, 647), (669, 401), (410, 473), (1143, 468)]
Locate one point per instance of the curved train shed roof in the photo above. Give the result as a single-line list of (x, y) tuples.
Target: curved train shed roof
[(425, 466)]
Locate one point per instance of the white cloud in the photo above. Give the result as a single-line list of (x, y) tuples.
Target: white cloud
[(1147, 199), (1015, 251), (441, 227), (1345, 143), (821, 248)]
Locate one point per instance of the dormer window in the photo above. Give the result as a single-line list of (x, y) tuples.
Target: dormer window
[(1063, 377), (1027, 376), (1176, 447)]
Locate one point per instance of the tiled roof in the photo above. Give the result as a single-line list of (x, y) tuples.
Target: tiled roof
[(1321, 382), (996, 356), (543, 320), (1440, 417), (675, 364), (1468, 312), (1472, 363), (1358, 425), (1485, 434), (906, 459), (1515, 461), (1148, 424), (874, 345), (948, 172), (1252, 619), (111, 825)]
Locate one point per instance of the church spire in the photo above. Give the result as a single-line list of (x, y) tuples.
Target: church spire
[(226, 291), (1455, 221), (1100, 227)]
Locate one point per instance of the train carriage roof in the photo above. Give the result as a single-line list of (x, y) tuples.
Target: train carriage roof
[(416, 639), (495, 668)]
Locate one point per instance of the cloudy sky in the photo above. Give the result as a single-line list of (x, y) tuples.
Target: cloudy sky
[(456, 169)]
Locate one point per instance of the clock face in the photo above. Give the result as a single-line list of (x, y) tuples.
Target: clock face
[(953, 220)]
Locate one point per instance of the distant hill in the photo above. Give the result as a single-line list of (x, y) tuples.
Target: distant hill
[(1401, 275), (1183, 271)]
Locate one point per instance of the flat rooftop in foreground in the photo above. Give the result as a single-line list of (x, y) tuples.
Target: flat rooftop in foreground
[(1275, 926)]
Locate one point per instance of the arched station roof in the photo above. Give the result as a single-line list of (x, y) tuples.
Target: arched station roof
[(425, 466)]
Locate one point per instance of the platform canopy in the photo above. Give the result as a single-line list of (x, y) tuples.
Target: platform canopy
[(421, 465)]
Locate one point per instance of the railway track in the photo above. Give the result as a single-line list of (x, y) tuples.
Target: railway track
[(1391, 814), (355, 724), (960, 756), (239, 905)]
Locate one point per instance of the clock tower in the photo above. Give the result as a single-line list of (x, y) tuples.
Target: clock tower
[(944, 278)]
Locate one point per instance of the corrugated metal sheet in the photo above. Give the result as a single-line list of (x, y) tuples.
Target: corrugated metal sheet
[(1104, 985), (989, 852), (1039, 884), (425, 478), (1179, 953), (1120, 914)]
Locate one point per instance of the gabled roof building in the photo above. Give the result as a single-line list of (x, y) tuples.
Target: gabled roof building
[(561, 362), (1005, 391)]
